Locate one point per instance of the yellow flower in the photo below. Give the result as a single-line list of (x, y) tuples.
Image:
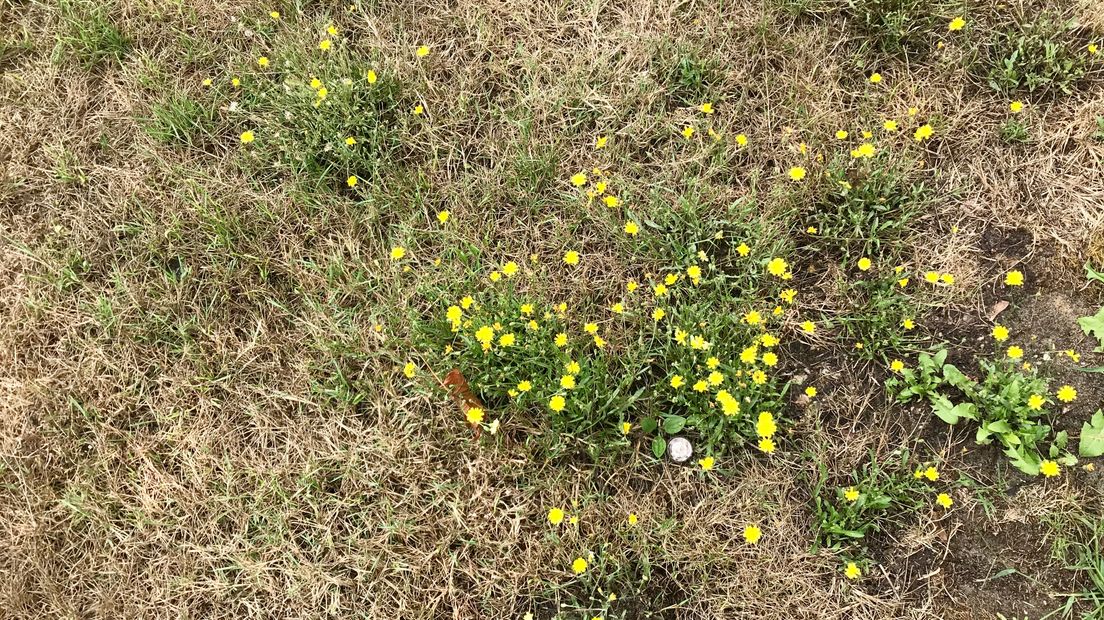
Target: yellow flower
[(398, 252), (706, 463), (507, 340), (561, 339), (1000, 333), (811, 392), (579, 566), (422, 51), (890, 125), (510, 268), (715, 378), (931, 473), (769, 340), (617, 308), (923, 132), (1035, 402), (263, 61), (495, 276), (729, 405), (418, 110), (841, 135), (633, 520), (1092, 48), (579, 179), (797, 173), (908, 324), (1049, 468), (1014, 278), (443, 216), (524, 386), (687, 132), (765, 426), (1015, 352), (247, 137), (866, 150), (325, 45), (274, 14), (875, 78), (770, 359), (572, 367), (944, 500), (571, 257), (947, 278), (557, 403), (235, 82), (752, 534), (956, 24), (777, 267), (677, 381), (852, 571), (474, 415), (1066, 394), (897, 366), (567, 382), (625, 428), (701, 385), (322, 93), (851, 494), (467, 302), (372, 77), (555, 516), (409, 370), (1016, 107), (658, 314), (753, 318), (351, 181), (766, 444), (864, 264), (207, 82), (808, 327), (706, 108), (741, 140), (611, 201)]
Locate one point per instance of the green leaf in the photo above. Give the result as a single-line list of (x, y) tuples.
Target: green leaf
[(998, 426), (1094, 326), (1092, 274), (649, 425), (955, 377), (1091, 442), (1024, 461), (951, 413), (673, 424), (659, 447)]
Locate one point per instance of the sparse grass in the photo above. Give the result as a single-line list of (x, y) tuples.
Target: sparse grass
[(1035, 54), (225, 389), (89, 33)]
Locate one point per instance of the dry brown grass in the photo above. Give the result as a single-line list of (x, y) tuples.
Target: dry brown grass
[(176, 457)]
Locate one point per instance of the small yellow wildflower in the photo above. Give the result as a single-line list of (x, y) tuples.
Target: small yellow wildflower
[(752, 534), (1066, 394), (1049, 468)]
